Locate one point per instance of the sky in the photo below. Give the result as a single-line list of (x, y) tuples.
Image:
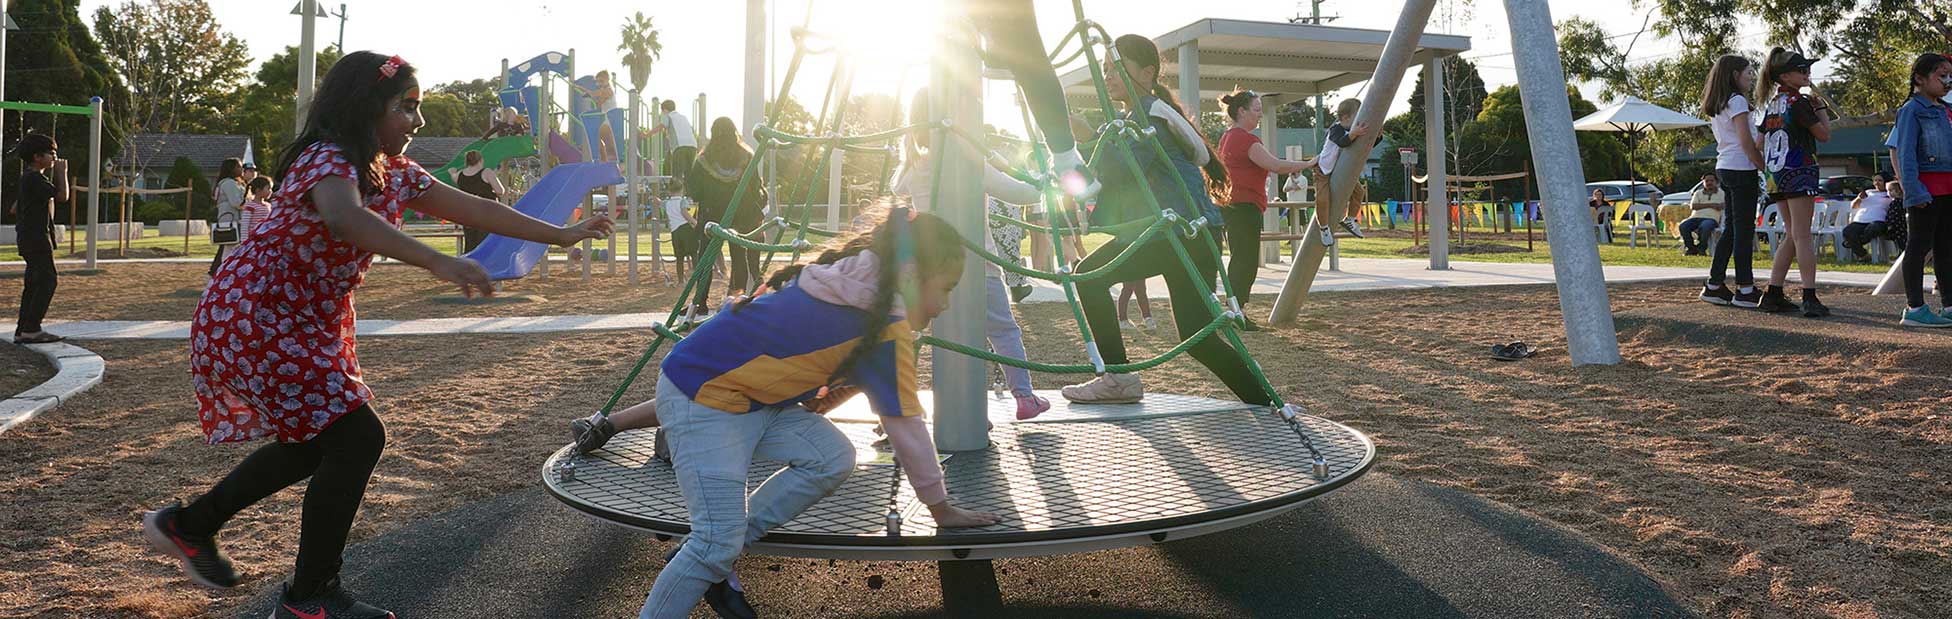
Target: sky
[(704, 39)]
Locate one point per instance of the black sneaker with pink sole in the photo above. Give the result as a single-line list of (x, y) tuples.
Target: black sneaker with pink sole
[(202, 561)]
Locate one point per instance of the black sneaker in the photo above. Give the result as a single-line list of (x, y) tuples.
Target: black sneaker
[(591, 435), (1354, 229), (1774, 302), (1812, 308), (728, 601), (1749, 299), (332, 603), (1717, 296), (202, 561)]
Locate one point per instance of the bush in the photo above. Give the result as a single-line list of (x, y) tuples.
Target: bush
[(155, 211), (185, 174)]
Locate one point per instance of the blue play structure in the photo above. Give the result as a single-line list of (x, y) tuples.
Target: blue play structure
[(552, 199)]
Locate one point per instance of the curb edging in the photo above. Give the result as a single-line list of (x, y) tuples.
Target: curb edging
[(75, 370)]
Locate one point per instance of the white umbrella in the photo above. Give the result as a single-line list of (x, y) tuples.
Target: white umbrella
[(1632, 116)]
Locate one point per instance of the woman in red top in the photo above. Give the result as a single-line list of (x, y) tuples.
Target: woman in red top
[(271, 345), (1248, 164)]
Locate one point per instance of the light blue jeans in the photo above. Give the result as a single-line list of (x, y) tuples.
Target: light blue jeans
[(712, 451), (1006, 338)]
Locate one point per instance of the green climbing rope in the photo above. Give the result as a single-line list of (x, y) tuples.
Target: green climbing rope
[(1216, 324)]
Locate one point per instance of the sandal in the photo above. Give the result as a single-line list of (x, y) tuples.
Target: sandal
[(1513, 351)]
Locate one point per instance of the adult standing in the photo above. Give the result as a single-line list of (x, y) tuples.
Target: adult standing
[(1248, 164), (683, 140), (477, 180), (34, 231), (712, 180), (229, 195)]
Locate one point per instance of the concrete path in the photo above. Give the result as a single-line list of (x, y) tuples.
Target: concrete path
[(1356, 274), (1382, 547)]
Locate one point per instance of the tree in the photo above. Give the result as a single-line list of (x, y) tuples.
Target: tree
[(179, 63), (448, 117), (268, 104), (185, 173), (640, 48), (1499, 139), (480, 98), (1874, 55), (54, 59)]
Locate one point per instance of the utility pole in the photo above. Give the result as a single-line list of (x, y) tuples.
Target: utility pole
[(1315, 18)]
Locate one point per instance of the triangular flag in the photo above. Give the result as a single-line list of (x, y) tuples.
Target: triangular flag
[(247, 153)]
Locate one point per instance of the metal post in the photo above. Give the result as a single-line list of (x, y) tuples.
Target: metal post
[(1433, 139), (308, 61), (1189, 77), (1390, 67), (1590, 338), (634, 200), (95, 175), (342, 29), (961, 420), (756, 53), (1271, 138)]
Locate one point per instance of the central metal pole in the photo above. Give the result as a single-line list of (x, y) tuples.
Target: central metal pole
[(1438, 207), (1590, 338), (961, 407), (756, 53)]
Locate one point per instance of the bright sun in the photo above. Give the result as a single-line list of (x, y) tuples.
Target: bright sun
[(884, 35)]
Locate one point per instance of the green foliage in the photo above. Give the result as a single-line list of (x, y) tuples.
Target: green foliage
[(448, 117), (54, 59), (154, 211), (1496, 142), (182, 68), (478, 101), (1874, 55), (640, 47), (184, 173), (265, 111)]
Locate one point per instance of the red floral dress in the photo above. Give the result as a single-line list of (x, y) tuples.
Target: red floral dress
[(271, 347)]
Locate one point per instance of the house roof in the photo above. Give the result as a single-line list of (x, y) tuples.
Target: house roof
[(1846, 142), (1272, 57), (436, 152), (159, 151)]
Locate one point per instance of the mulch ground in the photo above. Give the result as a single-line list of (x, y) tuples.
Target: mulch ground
[(1756, 465), (25, 369)]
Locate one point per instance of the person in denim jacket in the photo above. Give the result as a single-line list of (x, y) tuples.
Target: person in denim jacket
[(1921, 152)]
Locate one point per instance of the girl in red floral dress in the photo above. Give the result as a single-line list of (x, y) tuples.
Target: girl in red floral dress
[(271, 346)]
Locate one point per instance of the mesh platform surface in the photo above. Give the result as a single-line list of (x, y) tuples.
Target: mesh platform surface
[(1170, 462)]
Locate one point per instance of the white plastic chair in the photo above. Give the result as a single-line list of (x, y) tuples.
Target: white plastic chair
[(1603, 222), (1828, 222), (1642, 217), (1772, 227)]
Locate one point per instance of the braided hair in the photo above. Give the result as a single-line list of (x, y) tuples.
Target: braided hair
[(902, 236)]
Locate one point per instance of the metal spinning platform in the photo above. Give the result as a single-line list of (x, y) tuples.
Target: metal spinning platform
[(1079, 478)]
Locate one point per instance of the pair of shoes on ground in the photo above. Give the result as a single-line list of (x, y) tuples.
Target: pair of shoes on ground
[(1724, 295), (1775, 302), (1146, 325), (206, 565), (1513, 351), (1923, 316), (37, 337), (1349, 225)]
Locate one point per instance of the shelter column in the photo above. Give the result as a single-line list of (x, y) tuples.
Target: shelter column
[(756, 49), (1437, 209), (961, 415), (1271, 138), (308, 68), (1590, 337), (1189, 77)]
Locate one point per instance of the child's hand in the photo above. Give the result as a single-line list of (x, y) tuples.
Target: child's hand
[(467, 273), (834, 398), (949, 516), (594, 228), (1360, 129)]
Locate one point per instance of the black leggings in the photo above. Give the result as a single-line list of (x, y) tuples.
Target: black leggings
[(1014, 44), (339, 460), (1929, 231), (1190, 311), (1739, 239), (36, 292), (1243, 248), (745, 270)]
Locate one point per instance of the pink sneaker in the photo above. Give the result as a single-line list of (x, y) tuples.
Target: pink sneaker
[(1030, 406)]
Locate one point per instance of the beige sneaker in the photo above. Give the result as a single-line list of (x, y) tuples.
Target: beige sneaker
[(1107, 389)]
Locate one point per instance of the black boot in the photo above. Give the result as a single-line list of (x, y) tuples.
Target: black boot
[(1813, 308), (1774, 302)]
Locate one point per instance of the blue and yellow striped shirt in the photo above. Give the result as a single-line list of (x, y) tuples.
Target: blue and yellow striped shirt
[(779, 350)]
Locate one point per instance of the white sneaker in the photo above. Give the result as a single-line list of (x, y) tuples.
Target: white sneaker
[(1328, 237), (1107, 389), (1353, 227)]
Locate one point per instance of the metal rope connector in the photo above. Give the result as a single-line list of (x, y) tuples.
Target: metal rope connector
[(1292, 414), (567, 470), (802, 245)]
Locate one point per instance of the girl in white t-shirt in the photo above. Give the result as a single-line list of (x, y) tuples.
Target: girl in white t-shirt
[(1735, 165)]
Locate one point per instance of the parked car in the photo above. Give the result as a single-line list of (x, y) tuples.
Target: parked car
[(1644, 193), (1681, 197), (1846, 187)]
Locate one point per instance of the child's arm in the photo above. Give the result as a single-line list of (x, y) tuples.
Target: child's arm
[(456, 206), (338, 203), (915, 450)]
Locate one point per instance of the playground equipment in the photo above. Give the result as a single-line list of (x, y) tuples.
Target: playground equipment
[(552, 199), (94, 113), (1081, 477)]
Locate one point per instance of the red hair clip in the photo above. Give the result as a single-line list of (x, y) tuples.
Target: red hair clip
[(392, 67)]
